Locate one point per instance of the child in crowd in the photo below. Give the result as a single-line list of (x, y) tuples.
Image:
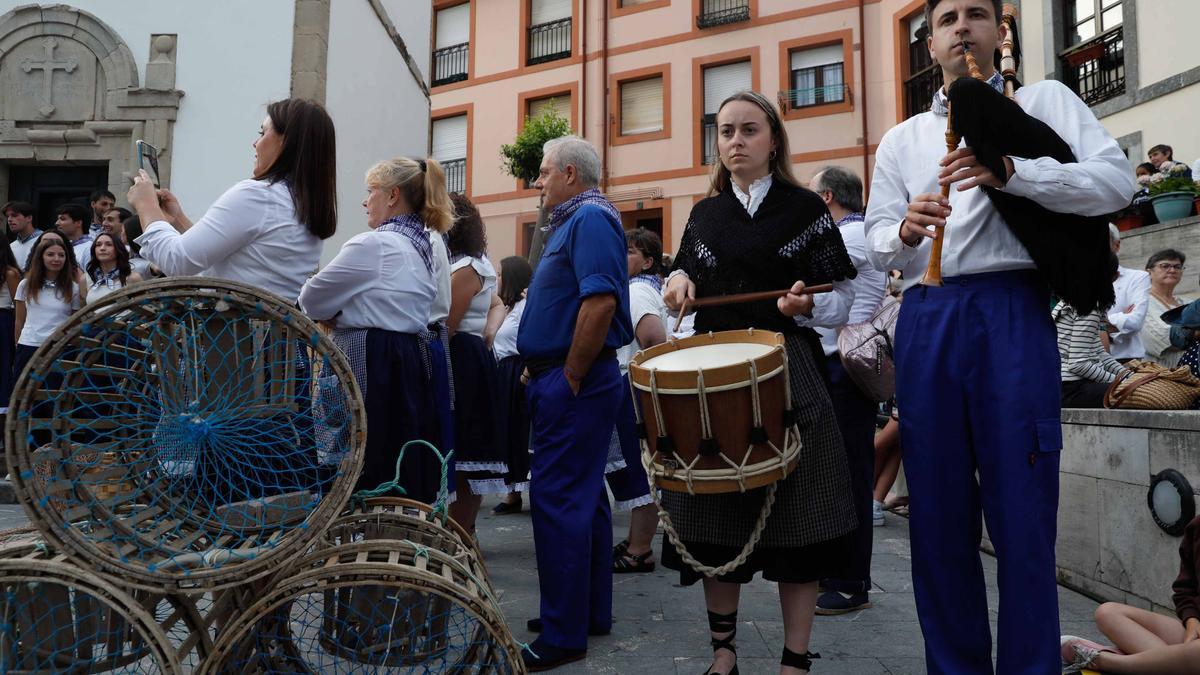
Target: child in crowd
[(1146, 642)]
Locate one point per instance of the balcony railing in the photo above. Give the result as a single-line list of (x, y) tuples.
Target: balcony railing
[(720, 12), (456, 175), (919, 90), (450, 64), (708, 136), (792, 99), (549, 41), (1096, 69)]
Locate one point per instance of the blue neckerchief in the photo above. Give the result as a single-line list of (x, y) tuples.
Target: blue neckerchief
[(411, 226), (563, 211), (652, 279), (855, 217), (941, 105), (31, 236), (107, 278)]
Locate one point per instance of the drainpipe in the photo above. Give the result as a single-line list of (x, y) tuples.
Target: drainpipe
[(583, 31), (604, 87), (862, 57)]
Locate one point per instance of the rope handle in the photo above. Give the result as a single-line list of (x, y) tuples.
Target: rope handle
[(1114, 400), (439, 505)]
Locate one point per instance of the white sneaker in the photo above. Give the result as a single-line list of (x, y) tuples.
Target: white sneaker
[(877, 514)]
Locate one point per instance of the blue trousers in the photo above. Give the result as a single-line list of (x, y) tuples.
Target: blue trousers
[(572, 523), (977, 375)]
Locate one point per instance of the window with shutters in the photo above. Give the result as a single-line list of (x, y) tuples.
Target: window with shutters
[(622, 7), (922, 75), (452, 44), (641, 104), (548, 36), (720, 82), (559, 103), (449, 148)]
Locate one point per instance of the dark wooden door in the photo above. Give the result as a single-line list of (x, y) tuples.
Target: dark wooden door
[(48, 187)]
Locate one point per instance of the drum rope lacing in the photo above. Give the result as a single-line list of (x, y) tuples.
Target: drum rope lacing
[(790, 451)]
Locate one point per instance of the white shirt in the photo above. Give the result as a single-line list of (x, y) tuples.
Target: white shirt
[(504, 344), (758, 192), (1132, 287), (644, 301), (96, 292), (45, 314), (252, 234), (976, 237), (440, 310), (475, 319), (866, 290), (21, 249), (83, 251), (377, 280)]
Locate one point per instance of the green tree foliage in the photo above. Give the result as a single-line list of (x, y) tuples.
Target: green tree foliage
[(523, 158)]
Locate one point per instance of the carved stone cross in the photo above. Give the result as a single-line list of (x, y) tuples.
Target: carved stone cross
[(48, 67)]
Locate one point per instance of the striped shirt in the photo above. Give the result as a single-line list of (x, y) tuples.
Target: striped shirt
[(1079, 348)]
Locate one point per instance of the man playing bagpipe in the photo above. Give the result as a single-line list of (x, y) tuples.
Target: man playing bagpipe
[(976, 362)]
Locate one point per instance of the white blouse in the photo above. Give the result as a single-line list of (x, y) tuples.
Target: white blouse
[(377, 280), (45, 314), (440, 311), (504, 344), (251, 234), (96, 292), (1156, 335), (644, 301), (475, 319)]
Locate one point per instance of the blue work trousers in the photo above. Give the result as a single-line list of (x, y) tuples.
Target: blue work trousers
[(977, 379), (572, 522)]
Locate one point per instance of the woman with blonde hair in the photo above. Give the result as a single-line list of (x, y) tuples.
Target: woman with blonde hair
[(376, 295), (760, 230)]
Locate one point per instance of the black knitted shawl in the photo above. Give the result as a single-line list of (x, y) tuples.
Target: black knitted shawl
[(790, 238)]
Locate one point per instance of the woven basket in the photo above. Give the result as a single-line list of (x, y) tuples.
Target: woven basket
[(1153, 387)]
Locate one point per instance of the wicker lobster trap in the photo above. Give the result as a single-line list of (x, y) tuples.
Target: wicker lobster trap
[(185, 435)]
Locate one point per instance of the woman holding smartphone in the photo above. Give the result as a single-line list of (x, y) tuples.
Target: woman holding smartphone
[(279, 214)]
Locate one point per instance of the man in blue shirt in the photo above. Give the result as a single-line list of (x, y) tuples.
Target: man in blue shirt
[(576, 316)]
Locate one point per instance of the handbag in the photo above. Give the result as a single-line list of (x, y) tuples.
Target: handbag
[(1153, 387), (867, 353)]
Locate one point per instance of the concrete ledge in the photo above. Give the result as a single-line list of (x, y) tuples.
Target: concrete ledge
[(1182, 420)]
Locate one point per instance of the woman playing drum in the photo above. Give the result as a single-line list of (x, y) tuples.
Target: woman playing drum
[(759, 231)]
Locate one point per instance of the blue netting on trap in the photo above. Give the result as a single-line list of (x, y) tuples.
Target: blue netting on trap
[(185, 434), (389, 589)]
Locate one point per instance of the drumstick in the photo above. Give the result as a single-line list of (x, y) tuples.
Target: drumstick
[(716, 300)]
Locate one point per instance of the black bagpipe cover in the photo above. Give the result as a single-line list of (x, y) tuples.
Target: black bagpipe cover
[(1071, 251)]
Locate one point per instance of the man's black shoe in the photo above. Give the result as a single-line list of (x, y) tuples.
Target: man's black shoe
[(535, 626), (541, 656)]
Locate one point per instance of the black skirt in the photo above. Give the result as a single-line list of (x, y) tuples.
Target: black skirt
[(477, 450), (796, 565), (512, 421)]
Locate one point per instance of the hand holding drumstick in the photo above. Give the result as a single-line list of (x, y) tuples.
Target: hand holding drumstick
[(791, 302)]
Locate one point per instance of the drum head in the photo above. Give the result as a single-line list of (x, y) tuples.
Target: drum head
[(707, 356)]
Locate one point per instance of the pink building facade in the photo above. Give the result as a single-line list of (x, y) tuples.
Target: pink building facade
[(641, 78)]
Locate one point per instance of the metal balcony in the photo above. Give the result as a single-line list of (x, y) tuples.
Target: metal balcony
[(721, 12), (549, 42), (450, 64), (1096, 69)]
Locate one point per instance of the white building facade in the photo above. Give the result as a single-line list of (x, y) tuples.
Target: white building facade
[(80, 82)]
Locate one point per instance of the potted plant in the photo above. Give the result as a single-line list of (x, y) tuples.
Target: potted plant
[(1128, 218), (1172, 191)]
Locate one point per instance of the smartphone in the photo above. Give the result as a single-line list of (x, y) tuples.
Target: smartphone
[(148, 160)]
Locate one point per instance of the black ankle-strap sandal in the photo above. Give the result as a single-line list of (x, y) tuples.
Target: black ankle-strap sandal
[(723, 623), (793, 660)]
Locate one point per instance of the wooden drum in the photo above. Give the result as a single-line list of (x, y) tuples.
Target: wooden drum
[(716, 411)]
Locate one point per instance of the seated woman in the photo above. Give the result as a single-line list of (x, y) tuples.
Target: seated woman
[(1166, 269), (377, 293), (1087, 369), (266, 230), (1143, 641)]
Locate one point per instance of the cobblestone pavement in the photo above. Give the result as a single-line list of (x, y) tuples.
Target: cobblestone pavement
[(660, 627)]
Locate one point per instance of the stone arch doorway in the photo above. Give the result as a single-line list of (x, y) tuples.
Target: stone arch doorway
[(70, 95)]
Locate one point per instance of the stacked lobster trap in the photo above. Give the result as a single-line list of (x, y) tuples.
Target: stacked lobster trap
[(186, 451)]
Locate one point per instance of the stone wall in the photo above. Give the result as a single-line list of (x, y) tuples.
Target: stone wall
[(1183, 235), (1108, 544)]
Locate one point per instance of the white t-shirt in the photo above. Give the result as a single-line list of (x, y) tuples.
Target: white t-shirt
[(22, 249), (475, 320), (97, 291), (505, 343), (252, 234), (377, 280), (644, 301), (45, 314), (440, 310), (83, 251)]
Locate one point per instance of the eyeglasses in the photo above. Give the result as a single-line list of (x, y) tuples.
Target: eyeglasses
[(1164, 266)]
